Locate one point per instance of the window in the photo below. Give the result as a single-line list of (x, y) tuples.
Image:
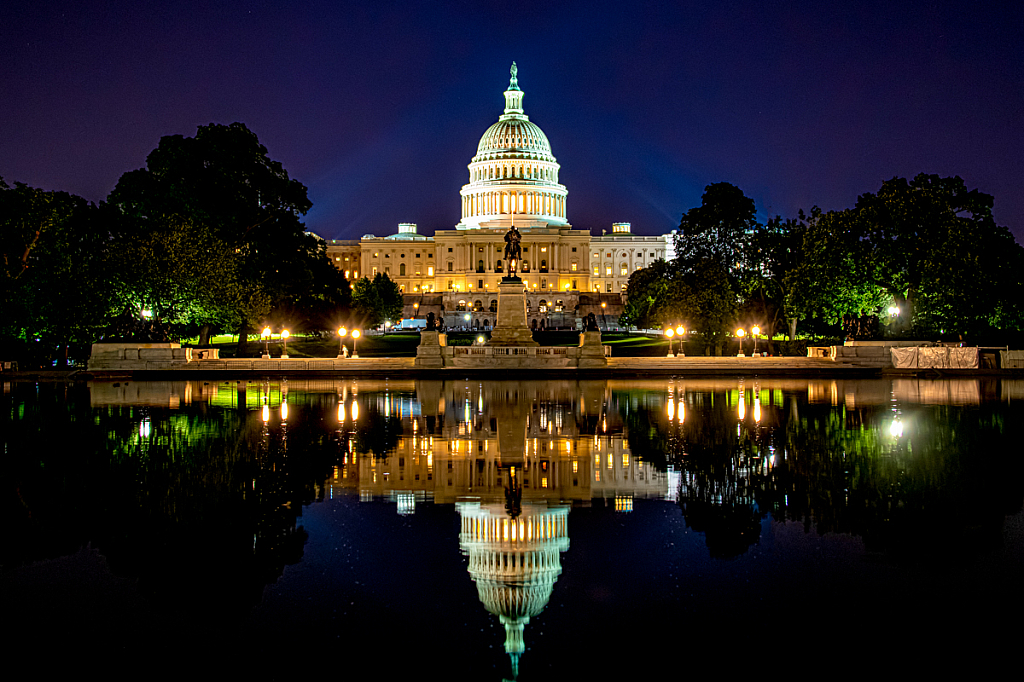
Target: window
[(596, 271), (480, 283), (497, 266), (430, 255), (403, 255), (479, 266), (608, 255), (608, 271), (387, 269), (623, 270), (573, 266), (451, 266), (574, 249), (430, 271), (417, 255), (494, 305), (374, 272), (449, 249), (401, 270)]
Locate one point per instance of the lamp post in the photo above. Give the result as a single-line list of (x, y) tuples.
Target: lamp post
[(740, 333), (669, 333), (355, 337), (755, 330), (604, 322), (680, 330), (284, 339), (341, 342), (265, 335)]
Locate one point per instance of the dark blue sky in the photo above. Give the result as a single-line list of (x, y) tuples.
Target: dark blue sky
[(378, 107)]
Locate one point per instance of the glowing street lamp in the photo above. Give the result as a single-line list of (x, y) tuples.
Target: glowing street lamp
[(341, 342), (284, 339), (604, 322), (669, 333), (740, 333), (755, 330), (265, 335), (355, 337), (680, 330)]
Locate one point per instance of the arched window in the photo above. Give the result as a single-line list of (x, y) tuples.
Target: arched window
[(401, 269), (480, 266), (494, 305), (497, 266), (461, 306), (478, 305)]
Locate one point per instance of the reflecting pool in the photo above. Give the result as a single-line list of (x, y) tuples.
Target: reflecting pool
[(514, 529)]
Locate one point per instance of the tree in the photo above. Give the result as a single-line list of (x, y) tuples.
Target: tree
[(645, 294), (179, 273), (933, 246), (377, 300), (53, 285), (223, 180), (771, 253), (717, 229), (829, 277), (713, 303)]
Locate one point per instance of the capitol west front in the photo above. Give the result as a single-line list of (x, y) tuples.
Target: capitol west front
[(513, 178)]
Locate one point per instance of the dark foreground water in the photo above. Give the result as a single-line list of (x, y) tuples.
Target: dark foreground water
[(487, 530)]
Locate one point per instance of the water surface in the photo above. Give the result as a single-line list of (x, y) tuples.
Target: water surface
[(494, 529)]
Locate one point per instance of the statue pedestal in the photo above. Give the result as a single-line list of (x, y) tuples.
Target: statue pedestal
[(429, 353), (591, 350), (510, 328)]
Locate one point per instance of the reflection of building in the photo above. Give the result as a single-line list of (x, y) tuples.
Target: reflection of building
[(513, 177), (514, 561)]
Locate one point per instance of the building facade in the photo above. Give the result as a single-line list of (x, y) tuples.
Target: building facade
[(513, 179)]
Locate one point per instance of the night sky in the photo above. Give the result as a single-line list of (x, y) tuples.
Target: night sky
[(378, 107)]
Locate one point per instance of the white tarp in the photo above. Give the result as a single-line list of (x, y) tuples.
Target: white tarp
[(904, 358), (966, 358), (937, 357)]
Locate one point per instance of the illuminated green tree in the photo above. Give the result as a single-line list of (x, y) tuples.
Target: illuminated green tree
[(376, 300)]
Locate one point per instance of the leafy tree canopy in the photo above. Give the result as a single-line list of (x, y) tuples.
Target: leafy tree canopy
[(717, 229), (377, 300)]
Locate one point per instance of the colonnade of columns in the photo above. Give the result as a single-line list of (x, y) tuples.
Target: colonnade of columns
[(510, 202)]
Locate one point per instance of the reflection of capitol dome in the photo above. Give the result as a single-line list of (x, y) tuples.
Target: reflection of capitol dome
[(514, 561), (513, 173)]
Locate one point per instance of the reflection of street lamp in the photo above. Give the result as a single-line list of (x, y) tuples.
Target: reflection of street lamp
[(284, 338), (739, 336), (669, 334), (755, 331), (680, 330), (355, 337), (265, 335), (341, 342)]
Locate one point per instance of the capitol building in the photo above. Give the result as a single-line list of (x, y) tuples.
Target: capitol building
[(513, 179)]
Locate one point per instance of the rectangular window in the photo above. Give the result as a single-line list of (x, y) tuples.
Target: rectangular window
[(574, 249), (573, 267), (608, 271), (450, 266), (449, 249), (596, 271), (430, 271)]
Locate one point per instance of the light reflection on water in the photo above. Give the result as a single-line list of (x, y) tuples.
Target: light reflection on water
[(320, 497)]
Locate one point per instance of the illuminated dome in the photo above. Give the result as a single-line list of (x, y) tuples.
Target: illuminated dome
[(513, 175), (511, 136)]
